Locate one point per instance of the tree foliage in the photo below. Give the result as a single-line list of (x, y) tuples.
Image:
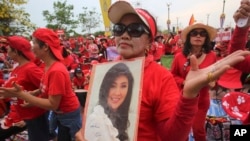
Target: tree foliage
[(62, 17), (13, 18), (89, 19)]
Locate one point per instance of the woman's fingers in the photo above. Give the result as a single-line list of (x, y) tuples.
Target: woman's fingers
[(198, 78), (233, 58), (193, 63), (17, 87)]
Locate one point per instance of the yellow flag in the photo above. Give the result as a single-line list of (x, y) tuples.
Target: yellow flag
[(105, 4)]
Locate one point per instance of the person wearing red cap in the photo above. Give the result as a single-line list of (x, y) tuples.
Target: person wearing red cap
[(55, 91), (28, 75), (165, 113), (63, 102)]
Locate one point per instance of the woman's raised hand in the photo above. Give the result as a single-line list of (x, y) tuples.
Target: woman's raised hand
[(198, 78)]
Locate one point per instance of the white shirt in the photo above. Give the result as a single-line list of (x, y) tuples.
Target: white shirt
[(99, 127)]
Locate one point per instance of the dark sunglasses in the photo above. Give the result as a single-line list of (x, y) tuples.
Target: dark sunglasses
[(195, 33), (133, 29)]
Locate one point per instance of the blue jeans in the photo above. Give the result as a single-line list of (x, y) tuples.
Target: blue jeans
[(68, 125), (52, 125), (38, 128)]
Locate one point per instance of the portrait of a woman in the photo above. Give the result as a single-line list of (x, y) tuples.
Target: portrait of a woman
[(110, 117)]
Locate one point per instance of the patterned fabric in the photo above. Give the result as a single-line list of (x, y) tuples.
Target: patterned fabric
[(217, 123), (23, 136), (237, 105), (218, 129), (216, 109)]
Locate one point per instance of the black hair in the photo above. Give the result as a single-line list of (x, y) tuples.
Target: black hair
[(20, 53), (187, 45), (42, 44), (65, 53)]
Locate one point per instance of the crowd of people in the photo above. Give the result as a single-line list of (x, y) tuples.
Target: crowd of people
[(39, 77)]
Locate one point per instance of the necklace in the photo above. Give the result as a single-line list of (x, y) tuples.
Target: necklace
[(187, 63)]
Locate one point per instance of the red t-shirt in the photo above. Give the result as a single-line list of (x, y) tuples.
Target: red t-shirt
[(79, 82), (68, 60), (176, 49), (180, 72), (93, 50), (56, 81), (169, 45), (159, 50), (29, 77)]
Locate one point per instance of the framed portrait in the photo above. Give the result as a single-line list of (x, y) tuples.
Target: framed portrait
[(113, 101)]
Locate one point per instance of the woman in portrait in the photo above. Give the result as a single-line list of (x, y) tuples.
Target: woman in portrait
[(110, 118)]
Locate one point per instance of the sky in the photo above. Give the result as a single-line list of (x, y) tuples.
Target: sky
[(180, 11)]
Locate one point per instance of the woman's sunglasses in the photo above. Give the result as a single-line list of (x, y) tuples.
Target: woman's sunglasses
[(195, 33), (133, 30)]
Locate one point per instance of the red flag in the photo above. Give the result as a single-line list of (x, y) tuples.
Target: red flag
[(192, 20)]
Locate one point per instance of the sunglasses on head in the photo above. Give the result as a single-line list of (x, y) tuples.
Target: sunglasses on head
[(195, 33), (133, 29)]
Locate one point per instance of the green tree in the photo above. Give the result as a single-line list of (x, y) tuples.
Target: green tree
[(89, 19), (62, 17), (13, 18)]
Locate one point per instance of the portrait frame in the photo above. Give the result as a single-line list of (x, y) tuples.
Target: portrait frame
[(97, 75)]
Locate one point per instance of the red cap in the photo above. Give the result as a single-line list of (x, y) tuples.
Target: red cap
[(51, 39), (21, 44)]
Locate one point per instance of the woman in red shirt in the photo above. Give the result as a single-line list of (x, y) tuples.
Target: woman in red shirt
[(197, 41), (55, 91), (28, 75), (165, 113)]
